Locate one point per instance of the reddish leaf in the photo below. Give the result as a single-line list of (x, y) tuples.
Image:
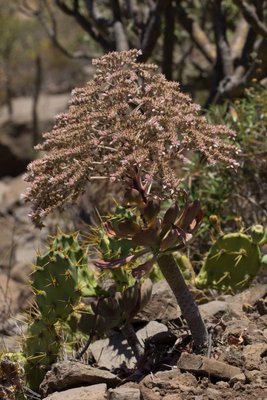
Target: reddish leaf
[(171, 239), (169, 219), (191, 217), (146, 237), (119, 262)]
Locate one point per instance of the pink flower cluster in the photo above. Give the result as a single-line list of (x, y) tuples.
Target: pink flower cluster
[(127, 117)]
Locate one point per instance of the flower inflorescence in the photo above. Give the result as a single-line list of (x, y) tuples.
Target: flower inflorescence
[(127, 118)]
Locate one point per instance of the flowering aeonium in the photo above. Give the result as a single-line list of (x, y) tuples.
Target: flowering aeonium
[(127, 118)]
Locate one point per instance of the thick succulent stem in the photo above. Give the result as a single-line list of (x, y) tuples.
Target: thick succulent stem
[(186, 302), (133, 341)]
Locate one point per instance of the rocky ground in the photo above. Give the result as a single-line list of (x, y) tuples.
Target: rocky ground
[(234, 368)]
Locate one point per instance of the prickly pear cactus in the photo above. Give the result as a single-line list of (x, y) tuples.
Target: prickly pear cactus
[(112, 246), (41, 349), (60, 278), (232, 262)]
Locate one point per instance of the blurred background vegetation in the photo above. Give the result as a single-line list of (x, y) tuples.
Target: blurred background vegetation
[(216, 49)]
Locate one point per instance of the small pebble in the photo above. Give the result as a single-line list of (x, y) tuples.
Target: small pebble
[(222, 384)]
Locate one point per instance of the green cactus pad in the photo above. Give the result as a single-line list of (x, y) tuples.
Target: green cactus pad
[(59, 280), (42, 343), (41, 350), (61, 277), (231, 264), (86, 282), (55, 286)]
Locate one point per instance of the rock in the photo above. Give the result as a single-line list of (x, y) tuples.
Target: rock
[(26, 250), (3, 191), (235, 329), (48, 106), (67, 374), (15, 325), (207, 366), (238, 378), (13, 194), (222, 384), (215, 308), (10, 344), (124, 393), (254, 354), (114, 351), (233, 356), (248, 296), (173, 379), (14, 296), (167, 382), (151, 329), (20, 272), (19, 241), (7, 241), (94, 392), (161, 306), (263, 319)]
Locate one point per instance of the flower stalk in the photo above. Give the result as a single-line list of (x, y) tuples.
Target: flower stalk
[(185, 300)]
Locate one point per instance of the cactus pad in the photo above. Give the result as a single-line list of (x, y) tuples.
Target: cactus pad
[(61, 277), (41, 350), (231, 264)]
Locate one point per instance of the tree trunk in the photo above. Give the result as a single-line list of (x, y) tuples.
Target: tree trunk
[(186, 302), (168, 41), (36, 95)]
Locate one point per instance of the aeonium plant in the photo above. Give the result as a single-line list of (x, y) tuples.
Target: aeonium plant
[(130, 125)]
